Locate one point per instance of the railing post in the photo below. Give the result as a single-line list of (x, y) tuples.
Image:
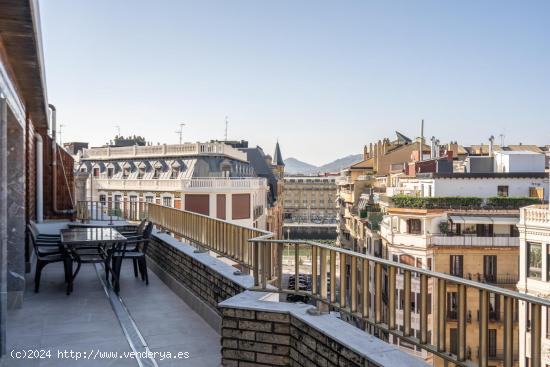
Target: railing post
[(297, 266), (323, 268), (332, 276), (423, 308), (407, 301), (378, 293), (483, 327), (441, 314), (256, 263), (365, 288), (508, 339), (263, 265), (343, 280), (314, 271), (280, 249), (536, 335), (391, 297), (462, 292), (353, 284)]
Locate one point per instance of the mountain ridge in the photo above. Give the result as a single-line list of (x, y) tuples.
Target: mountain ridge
[(296, 166)]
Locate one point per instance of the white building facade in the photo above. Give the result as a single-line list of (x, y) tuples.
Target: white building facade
[(212, 179), (534, 277)]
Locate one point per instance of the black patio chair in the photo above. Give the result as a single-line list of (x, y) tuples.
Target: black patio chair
[(137, 251), (99, 254), (132, 230), (48, 249)]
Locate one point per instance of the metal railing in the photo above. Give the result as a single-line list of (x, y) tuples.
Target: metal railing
[(225, 238), (341, 281), (87, 211), (222, 237)]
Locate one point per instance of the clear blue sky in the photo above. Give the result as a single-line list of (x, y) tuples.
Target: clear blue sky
[(323, 77)]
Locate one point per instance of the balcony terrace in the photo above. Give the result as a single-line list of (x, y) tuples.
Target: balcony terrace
[(240, 294)]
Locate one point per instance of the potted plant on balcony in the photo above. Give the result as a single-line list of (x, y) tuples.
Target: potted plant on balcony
[(444, 228)]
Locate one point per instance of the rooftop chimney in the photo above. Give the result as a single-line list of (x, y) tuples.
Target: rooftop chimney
[(491, 141)]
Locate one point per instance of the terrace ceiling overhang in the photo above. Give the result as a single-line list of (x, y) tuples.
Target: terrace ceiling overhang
[(21, 38)]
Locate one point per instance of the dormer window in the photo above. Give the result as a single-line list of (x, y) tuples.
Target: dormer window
[(176, 169), (96, 172), (141, 172), (125, 172), (110, 172), (157, 169)]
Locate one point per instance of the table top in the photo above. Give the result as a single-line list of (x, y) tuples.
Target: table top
[(91, 235)]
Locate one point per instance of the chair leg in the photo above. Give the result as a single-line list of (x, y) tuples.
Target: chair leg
[(134, 260), (144, 275), (38, 272)]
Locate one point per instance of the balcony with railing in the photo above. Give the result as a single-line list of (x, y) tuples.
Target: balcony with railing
[(473, 240), (164, 150), (535, 215), (187, 185), (246, 285)]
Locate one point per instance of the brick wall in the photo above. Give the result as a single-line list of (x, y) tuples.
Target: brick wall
[(208, 285), (259, 338), (255, 338)]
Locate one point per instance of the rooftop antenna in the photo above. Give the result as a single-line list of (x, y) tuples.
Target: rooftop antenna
[(502, 136), (61, 126), (226, 123), (180, 132)]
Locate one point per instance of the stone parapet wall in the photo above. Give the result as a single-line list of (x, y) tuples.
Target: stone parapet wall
[(206, 277), (259, 332)]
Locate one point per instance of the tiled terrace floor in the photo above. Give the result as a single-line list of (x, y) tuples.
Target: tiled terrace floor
[(86, 321)]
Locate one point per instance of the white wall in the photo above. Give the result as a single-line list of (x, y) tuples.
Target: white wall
[(519, 162), (486, 187)]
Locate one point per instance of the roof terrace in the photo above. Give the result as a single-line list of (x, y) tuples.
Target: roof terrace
[(210, 278)]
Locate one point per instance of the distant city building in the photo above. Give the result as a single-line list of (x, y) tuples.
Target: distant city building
[(310, 199), (73, 148), (479, 241), (213, 179), (534, 277)]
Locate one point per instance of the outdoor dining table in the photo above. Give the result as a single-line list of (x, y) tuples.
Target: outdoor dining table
[(104, 240)]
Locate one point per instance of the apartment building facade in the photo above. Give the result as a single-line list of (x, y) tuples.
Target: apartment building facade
[(310, 199), (214, 179), (534, 279)]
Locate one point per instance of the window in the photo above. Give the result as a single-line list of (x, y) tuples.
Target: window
[(167, 201), (96, 172), (156, 173), (454, 340), (502, 191), (102, 199), (490, 268), (118, 198), (110, 172), (456, 265), (149, 199), (141, 172), (175, 172), (492, 347), (125, 172), (534, 260), (414, 226), (452, 305), (494, 307)]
